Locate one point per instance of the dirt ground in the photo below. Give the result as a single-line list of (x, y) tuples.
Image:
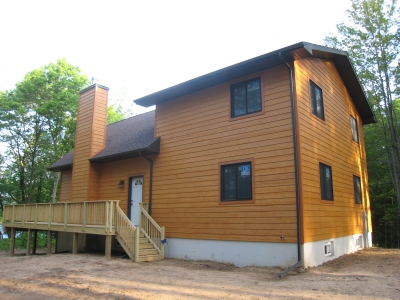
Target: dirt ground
[(367, 274)]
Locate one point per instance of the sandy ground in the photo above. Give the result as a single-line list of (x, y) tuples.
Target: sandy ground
[(367, 274)]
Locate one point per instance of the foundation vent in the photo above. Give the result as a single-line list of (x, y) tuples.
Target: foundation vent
[(359, 242), (328, 249)]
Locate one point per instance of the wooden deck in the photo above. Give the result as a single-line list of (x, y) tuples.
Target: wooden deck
[(144, 243), (94, 217)]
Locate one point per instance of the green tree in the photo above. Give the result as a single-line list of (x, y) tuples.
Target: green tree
[(372, 40), (37, 122), (385, 215), (116, 111)]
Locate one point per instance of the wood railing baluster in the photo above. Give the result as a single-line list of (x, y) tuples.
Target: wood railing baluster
[(36, 214), (50, 214)]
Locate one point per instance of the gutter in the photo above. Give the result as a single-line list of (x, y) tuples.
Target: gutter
[(151, 181), (296, 166)]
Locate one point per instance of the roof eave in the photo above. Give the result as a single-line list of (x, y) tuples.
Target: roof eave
[(269, 60), (60, 168), (229, 73)]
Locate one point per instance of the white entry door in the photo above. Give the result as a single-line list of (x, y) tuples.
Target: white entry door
[(136, 198)]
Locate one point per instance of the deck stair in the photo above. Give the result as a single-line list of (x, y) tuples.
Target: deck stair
[(142, 243)]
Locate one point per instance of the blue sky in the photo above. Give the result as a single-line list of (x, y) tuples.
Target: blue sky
[(139, 47)]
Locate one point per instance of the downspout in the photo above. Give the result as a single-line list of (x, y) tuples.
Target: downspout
[(151, 181), (296, 166)]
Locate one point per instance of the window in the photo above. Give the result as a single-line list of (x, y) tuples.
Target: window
[(354, 128), (357, 190), (246, 97), (236, 181), (325, 175), (317, 104)]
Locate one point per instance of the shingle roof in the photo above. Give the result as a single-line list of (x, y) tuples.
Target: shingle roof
[(63, 163), (266, 61), (124, 140)]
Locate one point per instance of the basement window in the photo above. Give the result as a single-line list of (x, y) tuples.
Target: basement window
[(246, 97), (236, 182), (317, 103)]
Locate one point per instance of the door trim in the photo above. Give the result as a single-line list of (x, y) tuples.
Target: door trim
[(130, 192)]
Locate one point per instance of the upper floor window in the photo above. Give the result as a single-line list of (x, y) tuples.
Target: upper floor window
[(354, 129), (236, 180), (357, 190), (317, 103), (246, 97), (325, 176)]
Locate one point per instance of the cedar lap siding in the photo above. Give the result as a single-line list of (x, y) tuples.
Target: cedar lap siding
[(192, 134), (329, 141)]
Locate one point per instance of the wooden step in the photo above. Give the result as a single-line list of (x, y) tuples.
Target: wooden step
[(149, 257), (146, 246), (143, 240), (143, 252)]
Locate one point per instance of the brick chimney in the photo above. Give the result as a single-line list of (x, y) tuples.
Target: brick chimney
[(90, 138)]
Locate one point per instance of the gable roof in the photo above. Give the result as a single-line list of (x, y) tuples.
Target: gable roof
[(125, 139), (266, 61)]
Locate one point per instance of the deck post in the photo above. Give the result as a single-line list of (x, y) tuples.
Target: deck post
[(29, 242), (84, 215), (12, 242), (75, 243), (49, 242), (108, 246), (34, 241), (136, 244), (162, 239)]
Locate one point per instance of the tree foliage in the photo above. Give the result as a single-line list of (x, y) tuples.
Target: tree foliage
[(37, 123), (372, 40), (116, 111)]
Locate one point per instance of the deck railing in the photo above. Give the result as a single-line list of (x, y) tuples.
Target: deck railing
[(152, 231), (97, 217)]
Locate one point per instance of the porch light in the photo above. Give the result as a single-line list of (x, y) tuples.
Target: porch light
[(121, 184)]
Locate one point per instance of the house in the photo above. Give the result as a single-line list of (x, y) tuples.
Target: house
[(260, 163)]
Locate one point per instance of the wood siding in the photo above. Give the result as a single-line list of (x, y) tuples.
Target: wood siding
[(65, 186), (329, 142), (111, 173), (89, 140), (197, 135)]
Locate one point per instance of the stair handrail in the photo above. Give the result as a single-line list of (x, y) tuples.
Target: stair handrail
[(152, 231), (127, 231)]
